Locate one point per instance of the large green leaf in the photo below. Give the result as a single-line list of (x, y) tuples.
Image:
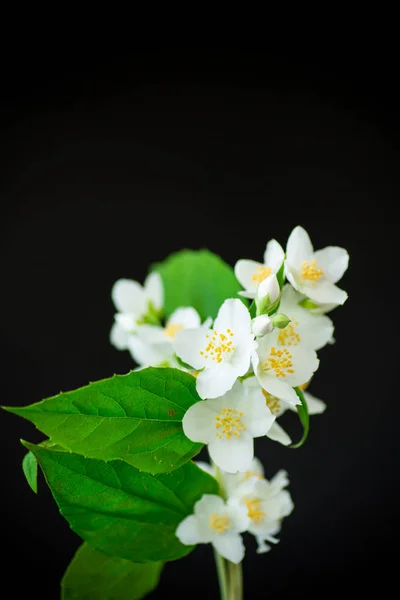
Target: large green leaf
[(120, 510), (135, 417), (93, 575), (197, 278)]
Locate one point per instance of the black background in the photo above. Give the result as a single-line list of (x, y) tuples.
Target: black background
[(111, 163)]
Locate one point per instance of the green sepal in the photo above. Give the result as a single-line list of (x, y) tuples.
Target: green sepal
[(302, 410)]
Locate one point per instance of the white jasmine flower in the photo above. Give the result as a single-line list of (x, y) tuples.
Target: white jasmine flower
[(267, 504), (312, 329), (133, 303), (228, 425), (315, 273), (222, 354), (278, 406), (152, 345), (216, 523), (250, 273), (280, 368)]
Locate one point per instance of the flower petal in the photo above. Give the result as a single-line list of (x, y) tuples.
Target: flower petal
[(334, 261), (299, 247), (188, 344), (315, 406), (233, 315), (187, 316), (245, 271), (305, 363), (209, 504), (257, 418), (154, 291), (199, 422), (278, 434), (216, 381), (119, 337), (234, 454), (325, 293), (129, 297), (279, 481), (278, 388), (152, 334), (149, 355), (274, 256), (190, 531), (230, 546), (238, 516)]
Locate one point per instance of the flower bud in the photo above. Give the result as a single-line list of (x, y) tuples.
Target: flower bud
[(267, 295), (280, 321), (261, 325)]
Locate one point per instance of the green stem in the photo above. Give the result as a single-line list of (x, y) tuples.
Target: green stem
[(235, 581), (220, 563)]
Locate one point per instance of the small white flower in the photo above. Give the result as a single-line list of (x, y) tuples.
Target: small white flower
[(250, 273), (313, 330), (133, 302), (315, 273), (152, 345), (267, 504), (228, 425), (222, 354), (278, 406), (216, 523), (280, 368), (261, 325)]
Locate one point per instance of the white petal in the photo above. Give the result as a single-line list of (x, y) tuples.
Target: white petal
[(261, 325), (278, 434), (249, 295), (292, 275), (262, 547), (154, 290), (244, 272), (188, 317), (257, 417), (278, 506), (274, 255), (334, 261), (299, 246), (279, 481), (233, 315), (269, 286), (238, 516), (147, 354), (199, 422), (190, 531), (325, 293), (209, 504), (129, 297), (119, 337), (278, 388), (315, 406), (216, 381), (305, 363), (188, 344), (230, 546), (245, 345), (152, 334), (234, 454), (267, 529)]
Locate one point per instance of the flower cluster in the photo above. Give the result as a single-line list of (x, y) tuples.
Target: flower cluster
[(251, 365)]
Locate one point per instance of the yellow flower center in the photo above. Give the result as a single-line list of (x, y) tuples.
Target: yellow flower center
[(261, 273), (273, 403), (172, 329), (280, 362), (304, 386), (310, 272), (229, 423), (219, 346), (219, 523), (249, 474), (254, 510), (289, 335)]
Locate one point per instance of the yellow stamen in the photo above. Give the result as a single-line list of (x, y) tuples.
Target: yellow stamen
[(273, 403), (261, 273), (219, 523), (218, 348), (249, 474), (172, 329), (280, 362), (309, 271), (254, 510), (229, 423), (289, 335)]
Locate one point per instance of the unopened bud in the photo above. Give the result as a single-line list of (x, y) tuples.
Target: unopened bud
[(280, 321), (267, 295), (261, 325)]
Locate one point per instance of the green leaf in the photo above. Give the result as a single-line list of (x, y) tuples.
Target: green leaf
[(302, 409), (92, 575), (135, 417), (120, 510), (29, 467), (197, 278), (281, 275)]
